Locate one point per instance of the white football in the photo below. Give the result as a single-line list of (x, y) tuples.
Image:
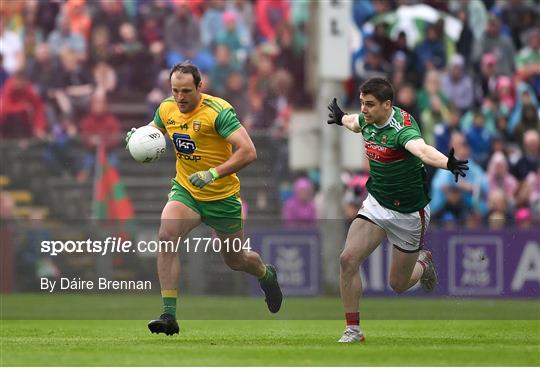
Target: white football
[(147, 144)]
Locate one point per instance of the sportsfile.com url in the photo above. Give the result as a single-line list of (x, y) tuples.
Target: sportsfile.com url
[(112, 245)]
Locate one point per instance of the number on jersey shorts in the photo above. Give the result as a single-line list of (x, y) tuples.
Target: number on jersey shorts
[(404, 230)]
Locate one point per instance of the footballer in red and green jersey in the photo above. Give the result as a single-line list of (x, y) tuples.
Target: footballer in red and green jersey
[(397, 178)]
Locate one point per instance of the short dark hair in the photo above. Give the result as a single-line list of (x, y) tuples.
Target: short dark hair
[(187, 68), (378, 87)]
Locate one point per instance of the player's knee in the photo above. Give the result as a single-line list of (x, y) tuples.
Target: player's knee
[(348, 262), (166, 235), (398, 285), (236, 264)]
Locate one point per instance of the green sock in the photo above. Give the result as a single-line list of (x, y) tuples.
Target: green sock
[(169, 301), (267, 277)]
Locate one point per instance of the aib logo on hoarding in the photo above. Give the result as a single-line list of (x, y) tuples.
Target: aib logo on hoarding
[(475, 265)]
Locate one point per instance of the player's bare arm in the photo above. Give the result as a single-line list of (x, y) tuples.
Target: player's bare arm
[(244, 152), (433, 157)]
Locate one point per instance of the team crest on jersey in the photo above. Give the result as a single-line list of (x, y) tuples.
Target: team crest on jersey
[(196, 126), (384, 139)]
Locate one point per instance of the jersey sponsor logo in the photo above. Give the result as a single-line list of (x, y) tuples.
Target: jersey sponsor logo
[(184, 144), (196, 126), (383, 154), (194, 158)]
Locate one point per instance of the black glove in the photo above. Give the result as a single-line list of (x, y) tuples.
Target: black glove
[(457, 167), (336, 114)]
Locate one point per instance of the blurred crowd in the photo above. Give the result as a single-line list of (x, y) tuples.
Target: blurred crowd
[(477, 92), (64, 61)]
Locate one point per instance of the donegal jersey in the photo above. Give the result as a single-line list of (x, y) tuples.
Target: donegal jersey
[(396, 177), (199, 141)]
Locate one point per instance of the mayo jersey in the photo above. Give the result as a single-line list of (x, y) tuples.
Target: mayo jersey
[(199, 141), (397, 178)]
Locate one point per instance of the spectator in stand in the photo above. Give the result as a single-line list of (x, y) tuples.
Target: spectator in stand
[(380, 37), (129, 61), (530, 159), (525, 114), (486, 80), (100, 45), (220, 73), (495, 42), (431, 53), (528, 60), (411, 70), (406, 100), (75, 85), (183, 38), (300, 208), (455, 209), (43, 71), (465, 42), (291, 58), (524, 218), (63, 38), (506, 94), (529, 194), (99, 127), (518, 16), (110, 14), (374, 64), (433, 105), (259, 89), (444, 130), (236, 37), (22, 111), (235, 94), (474, 187), (161, 90), (3, 73), (500, 213), (479, 139), (11, 48), (457, 84), (269, 14), (212, 25), (499, 177), (46, 14), (78, 17), (62, 153), (245, 21)]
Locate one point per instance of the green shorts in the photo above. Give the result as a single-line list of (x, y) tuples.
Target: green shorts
[(225, 215)]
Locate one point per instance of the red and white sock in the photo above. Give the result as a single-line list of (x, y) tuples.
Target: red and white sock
[(353, 320)]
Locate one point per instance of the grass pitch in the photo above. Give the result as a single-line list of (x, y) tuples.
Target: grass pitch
[(269, 341)]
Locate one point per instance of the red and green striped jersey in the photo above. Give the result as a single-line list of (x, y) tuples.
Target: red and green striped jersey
[(397, 178)]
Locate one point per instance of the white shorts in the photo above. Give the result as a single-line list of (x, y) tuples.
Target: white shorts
[(404, 231)]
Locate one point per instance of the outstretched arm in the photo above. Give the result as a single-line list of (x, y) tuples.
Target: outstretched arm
[(433, 157), (339, 117)]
